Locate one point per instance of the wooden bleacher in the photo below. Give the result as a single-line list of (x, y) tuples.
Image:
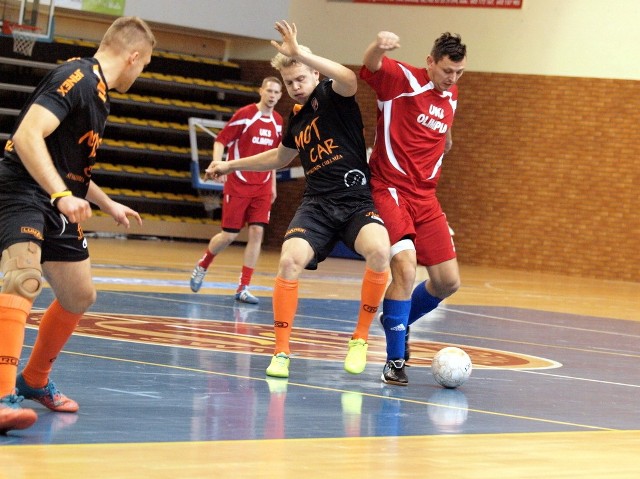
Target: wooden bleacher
[(144, 160)]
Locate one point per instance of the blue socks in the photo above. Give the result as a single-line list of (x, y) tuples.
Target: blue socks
[(398, 315), (395, 314), (421, 303)]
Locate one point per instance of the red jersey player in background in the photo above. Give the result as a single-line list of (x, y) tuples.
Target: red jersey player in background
[(247, 195), (415, 114)]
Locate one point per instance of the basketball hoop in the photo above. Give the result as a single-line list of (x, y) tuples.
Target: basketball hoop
[(24, 37)]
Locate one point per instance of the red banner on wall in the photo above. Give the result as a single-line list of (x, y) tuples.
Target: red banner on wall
[(451, 3)]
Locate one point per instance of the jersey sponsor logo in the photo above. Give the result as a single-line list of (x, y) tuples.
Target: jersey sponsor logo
[(432, 120), (326, 162), (259, 140), (321, 148), (355, 178), (28, 230), (93, 141), (73, 177), (264, 138), (66, 86), (101, 86)]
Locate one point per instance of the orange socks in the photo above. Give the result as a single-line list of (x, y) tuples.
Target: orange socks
[(373, 287), (56, 327), (285, 304), (13, 318)]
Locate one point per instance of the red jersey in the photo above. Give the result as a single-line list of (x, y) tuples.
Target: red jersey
[(412, 122), (247, 133)]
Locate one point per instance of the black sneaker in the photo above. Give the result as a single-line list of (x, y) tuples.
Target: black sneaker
[(393, 373)]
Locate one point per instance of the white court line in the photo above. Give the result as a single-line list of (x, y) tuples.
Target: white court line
[(600, 381), (154, 395), (536, 323)]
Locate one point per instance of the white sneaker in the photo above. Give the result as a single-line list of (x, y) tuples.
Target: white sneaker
[(244, 296), (197, 276)]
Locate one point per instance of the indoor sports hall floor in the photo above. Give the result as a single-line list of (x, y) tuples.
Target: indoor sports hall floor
[(172, 384)]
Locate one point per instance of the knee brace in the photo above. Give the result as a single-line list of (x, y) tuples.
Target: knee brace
[(22, 270), (402, 245)]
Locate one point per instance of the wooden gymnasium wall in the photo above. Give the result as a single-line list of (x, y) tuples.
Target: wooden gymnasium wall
[(543, 174)]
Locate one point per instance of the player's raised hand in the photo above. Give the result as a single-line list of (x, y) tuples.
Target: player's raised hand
[(387, 41), (289, 46)]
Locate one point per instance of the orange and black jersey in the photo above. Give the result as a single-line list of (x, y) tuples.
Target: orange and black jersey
[(327, 132), (76, 93)]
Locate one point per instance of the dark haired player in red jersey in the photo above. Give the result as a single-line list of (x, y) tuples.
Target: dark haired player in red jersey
[(413, 133), (325, 130), (247, 195), (45, 190)]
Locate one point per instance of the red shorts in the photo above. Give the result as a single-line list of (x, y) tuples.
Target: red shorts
[(238, 211), (419, 219)]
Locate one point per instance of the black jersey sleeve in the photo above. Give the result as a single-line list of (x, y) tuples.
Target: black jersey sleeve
[(63, 90)]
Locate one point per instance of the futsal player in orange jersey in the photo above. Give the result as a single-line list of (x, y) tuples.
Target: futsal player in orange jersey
[(325, 130), (45, 190)]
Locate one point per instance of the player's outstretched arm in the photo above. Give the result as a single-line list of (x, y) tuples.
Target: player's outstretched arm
[(265, 161), (384, 42), (345, 81)]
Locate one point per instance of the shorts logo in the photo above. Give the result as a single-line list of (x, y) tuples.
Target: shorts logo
[(295, 230), (375, 216), (31, 231)]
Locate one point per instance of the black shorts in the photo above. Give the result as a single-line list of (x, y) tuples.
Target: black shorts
[(27, 215), (324, 220)]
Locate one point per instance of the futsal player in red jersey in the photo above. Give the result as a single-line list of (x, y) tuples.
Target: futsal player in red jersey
[(325, 130), (416, 106), (247, 195)]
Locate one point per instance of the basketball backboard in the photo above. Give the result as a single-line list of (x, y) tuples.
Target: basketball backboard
[(35, 15)]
